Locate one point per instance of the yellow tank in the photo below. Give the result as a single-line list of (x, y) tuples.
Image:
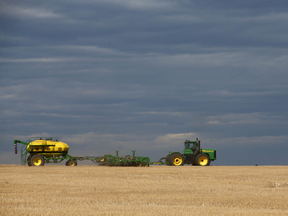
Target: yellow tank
[(47, 146)]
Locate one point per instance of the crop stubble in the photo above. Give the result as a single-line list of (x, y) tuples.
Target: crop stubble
[(154, 190)]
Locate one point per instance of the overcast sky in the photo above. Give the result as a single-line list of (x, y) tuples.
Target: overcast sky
[(108, 75)]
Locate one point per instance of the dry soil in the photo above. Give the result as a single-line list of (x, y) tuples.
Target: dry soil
[(154, 190)]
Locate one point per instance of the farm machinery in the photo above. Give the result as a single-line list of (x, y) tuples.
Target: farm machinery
[(192, 154), (37, 151), (128, 160), (40, 150)]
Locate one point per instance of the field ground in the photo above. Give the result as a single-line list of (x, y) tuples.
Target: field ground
[(154, 190)]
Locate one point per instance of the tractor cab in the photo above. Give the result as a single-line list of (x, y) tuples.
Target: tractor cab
[(191, 146)]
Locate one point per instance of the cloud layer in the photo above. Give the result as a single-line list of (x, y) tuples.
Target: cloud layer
[(109, 75)]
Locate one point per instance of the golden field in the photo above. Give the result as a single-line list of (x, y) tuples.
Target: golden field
[(154, 190)]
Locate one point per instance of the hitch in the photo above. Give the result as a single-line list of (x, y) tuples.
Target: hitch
[(160, 162), (15, 145)]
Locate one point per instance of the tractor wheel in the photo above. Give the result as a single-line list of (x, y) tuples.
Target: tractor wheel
[(71, 163), (37, 160), (168, 160), (202, 160), (177, 160)]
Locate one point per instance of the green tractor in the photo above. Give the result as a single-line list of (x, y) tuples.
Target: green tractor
[(192, 154)]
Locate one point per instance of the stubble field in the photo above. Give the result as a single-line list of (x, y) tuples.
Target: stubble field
[(154, 190)]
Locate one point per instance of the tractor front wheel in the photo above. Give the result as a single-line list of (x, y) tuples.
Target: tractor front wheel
[(202, 160), (177, 160), (37, 160)]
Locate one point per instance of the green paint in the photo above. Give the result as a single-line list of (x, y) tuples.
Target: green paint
[(128, 160)]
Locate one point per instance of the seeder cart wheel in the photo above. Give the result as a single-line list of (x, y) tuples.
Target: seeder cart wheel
[(71, 163), (29, 160), (37, 160)]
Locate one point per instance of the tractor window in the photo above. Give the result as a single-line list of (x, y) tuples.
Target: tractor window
[(190, 146)]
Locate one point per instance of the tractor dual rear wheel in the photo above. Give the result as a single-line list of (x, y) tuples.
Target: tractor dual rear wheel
[(176, 160), (37, 160), (202, 160), (168, 160)]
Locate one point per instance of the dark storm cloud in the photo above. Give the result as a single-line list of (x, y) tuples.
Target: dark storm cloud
[(146, 75)]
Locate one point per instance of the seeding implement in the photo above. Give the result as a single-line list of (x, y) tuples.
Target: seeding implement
[(40, 150), (128, 160)]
